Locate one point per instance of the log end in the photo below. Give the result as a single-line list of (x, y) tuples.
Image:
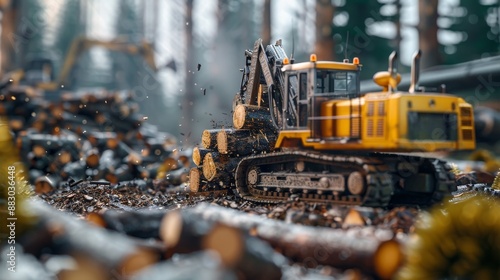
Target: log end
[(209, 167), (354, 218), (96, 219), (228, 242), (44, 185), (194, 180), (239, 116), (222, 145), (137, 261), (196, 156), (206, 139), (388, 259), (171, 228)]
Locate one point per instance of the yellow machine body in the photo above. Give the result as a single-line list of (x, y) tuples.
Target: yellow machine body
[(381, 121)]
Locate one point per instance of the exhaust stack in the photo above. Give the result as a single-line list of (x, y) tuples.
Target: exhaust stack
[(415, 71), (393, 83)]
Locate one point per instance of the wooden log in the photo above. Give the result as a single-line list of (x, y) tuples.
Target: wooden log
[(199, 154), (209, 138), (177, 177), (242, 142), (141, 223), (195, 178), (111, 250), (249, 256), (198, 265), (219, 168), (210, 165), (371, 250), (181, 233), (251, 117)]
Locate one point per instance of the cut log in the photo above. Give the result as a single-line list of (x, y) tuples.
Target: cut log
[(198, 265), (242, 142), (111, 250), (183, 233), (210, 165), (368, 249), (251, 117), (199, 154), (177, 177), (142, 223), (195, 177), (249, 256), (209, 138), (219, 168)]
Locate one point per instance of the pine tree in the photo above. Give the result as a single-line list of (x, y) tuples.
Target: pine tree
[(357, 18)]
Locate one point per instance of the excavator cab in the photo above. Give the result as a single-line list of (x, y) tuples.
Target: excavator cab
[(313, 84)]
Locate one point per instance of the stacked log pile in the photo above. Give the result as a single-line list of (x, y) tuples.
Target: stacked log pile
[(96, 136), (222, 149)]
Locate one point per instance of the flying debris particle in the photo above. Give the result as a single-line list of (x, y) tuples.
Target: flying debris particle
[(145, 118), (182, 134), (199, 67), (62, 86), (204, 91)]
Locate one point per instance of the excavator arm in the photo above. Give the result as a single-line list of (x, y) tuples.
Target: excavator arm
[(265, 67)]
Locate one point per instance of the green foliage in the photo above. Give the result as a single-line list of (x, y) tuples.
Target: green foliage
[(458, 240), (358, 19), (475, 25)]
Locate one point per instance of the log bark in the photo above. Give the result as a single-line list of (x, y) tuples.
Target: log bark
[(141, 224), (177, 177), (242, 142), (199, 154), (368, 249), (251, 117)]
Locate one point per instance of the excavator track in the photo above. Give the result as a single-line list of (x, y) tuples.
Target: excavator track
[(367, 180), (322, 178)]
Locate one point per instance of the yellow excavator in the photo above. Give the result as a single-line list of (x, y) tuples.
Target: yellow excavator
[(327, 142)]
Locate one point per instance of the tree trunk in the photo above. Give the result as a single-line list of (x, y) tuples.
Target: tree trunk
[(189, 97), (427, 33), (324, 47), (266, 23)]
